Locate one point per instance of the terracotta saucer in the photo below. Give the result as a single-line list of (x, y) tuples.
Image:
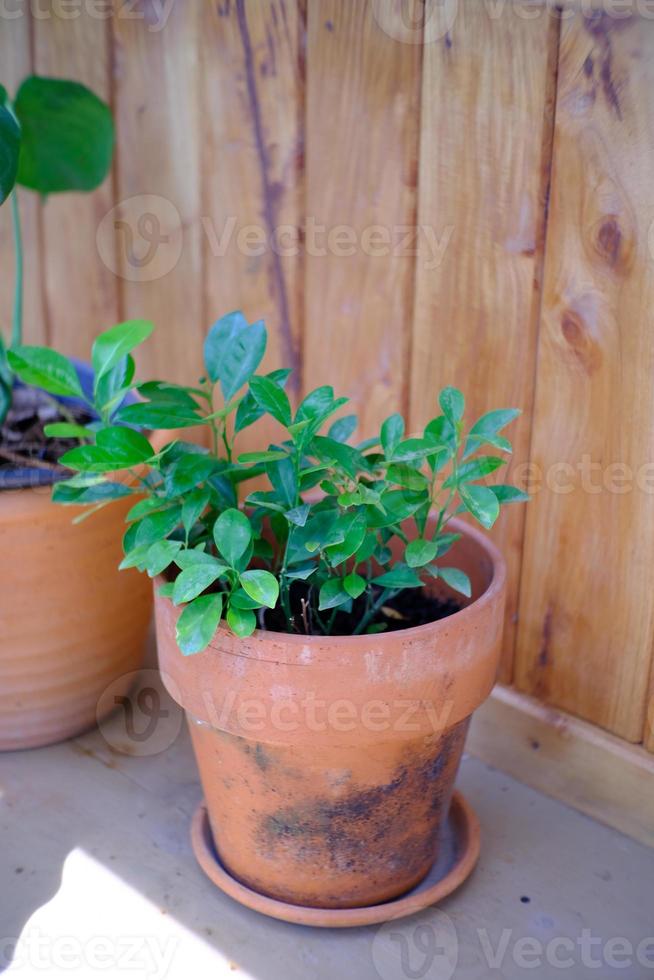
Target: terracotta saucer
[(458, 855)]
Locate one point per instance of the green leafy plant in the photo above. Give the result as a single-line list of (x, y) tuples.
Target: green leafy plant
[(341, 527), (55, 136)]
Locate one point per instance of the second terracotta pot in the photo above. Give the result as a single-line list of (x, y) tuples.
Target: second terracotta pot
[(328, 763)]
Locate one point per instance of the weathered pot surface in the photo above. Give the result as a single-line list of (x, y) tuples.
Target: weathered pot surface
[(328, 763), (72, 623)]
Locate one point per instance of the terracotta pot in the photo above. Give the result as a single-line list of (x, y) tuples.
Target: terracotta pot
[(328, 763), (71, 622)]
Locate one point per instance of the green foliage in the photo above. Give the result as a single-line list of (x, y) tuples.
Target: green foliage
[(67, 136), (349, 525), (9, 148), (56, 136)]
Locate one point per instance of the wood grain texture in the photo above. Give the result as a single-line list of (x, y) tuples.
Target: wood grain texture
[(253, 88), (363, 93), (568, 759), (16, 60), (80, 291), (587, 606), (488, 88), (159, 119)]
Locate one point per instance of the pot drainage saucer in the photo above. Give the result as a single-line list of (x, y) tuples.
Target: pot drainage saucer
[(458, 855)]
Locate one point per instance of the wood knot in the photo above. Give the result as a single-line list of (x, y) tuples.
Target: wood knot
[(609, 239), (580, 342)]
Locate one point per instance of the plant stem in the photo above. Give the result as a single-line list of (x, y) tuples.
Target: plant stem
[(385, 597), (63, 410), (17, 324)]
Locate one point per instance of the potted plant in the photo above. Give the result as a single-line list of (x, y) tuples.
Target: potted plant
[(71, 624), (330, 639)]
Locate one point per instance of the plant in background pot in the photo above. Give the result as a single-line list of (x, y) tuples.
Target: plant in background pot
[(330, 640), (71, 624)]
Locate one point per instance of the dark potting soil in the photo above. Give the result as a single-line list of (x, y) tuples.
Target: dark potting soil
[(23, 443), (413, 607)]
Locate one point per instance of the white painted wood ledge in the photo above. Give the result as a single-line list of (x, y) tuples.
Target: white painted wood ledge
[(567, 759)]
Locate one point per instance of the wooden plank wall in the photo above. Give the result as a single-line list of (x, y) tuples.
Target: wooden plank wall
[(462, 197)]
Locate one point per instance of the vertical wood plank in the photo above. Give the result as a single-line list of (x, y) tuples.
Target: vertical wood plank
[(363, 105), (80, 290), (253, 77), (487, 97), (587, 606), (16, 61), (159, 118)]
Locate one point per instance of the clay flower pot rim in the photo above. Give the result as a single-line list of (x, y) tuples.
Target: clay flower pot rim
[(364, 639)]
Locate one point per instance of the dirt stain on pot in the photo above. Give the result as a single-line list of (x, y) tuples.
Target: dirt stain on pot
[(385, 827)]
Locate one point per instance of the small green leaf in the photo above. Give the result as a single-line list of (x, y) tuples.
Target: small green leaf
[(342, 429), (112, 387), (481, 502), (266, 456), (9, 151), (399, 577), (476, 469), (64, 493), (452, 404), (486, 428), (457, 580), (506, 494), (332, 594), (355, 525), (239, 599), (67, 136), (233, 351), (298, 515), (114, 344), (261, 586), (46, 369), (301, 572), (159, 525), (232, 534), (354, 585), (242, 622), (153, 415), (124, 446), (166, 590), (91, 459), (415, 450), (160, 555), (407, 476), (193, 506), (192, 557), (66, 430), (248, 410), (198, 622), (136, 557), (420, 552), (271, 397), (192, 581), (392, 431)]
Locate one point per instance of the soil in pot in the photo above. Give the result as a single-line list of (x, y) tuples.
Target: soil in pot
[(414, 607), (27, 455)]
